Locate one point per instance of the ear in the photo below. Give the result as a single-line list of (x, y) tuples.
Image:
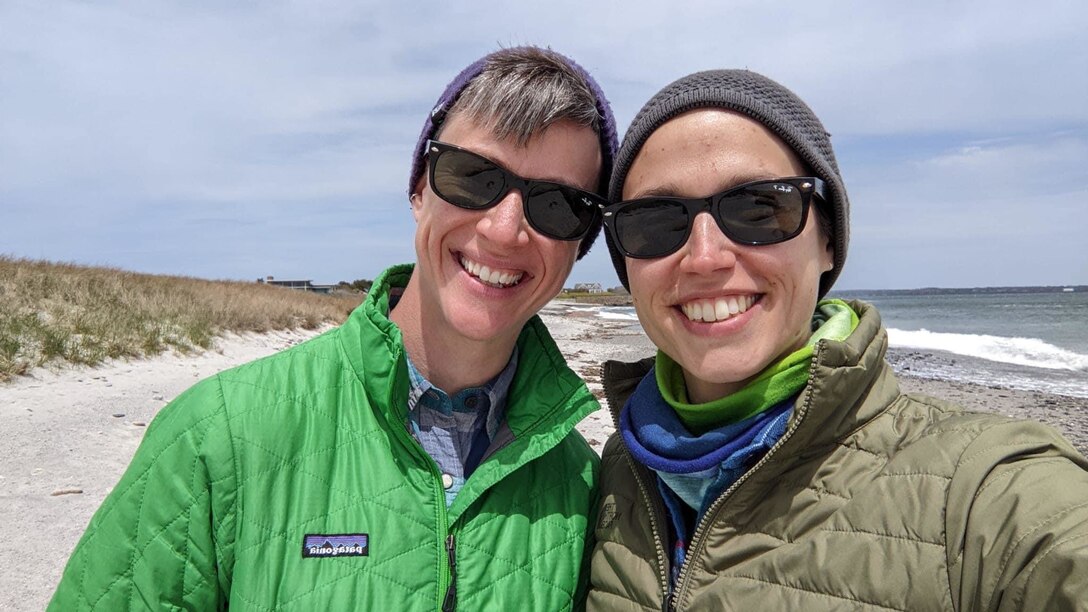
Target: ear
[(415, 200), (829, 256)]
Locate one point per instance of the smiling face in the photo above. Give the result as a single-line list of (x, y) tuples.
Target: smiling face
[(723, 311), (484, 273)]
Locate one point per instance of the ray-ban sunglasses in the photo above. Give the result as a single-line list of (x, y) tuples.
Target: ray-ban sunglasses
[(471, 181), (756, 213)]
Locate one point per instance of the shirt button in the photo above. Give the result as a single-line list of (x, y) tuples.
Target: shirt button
[(470, 401), (447, 481)]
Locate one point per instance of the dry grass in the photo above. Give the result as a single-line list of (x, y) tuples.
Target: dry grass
[(63, 312)]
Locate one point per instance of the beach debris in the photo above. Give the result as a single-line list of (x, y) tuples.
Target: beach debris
[(139, 424), (67, 491), (118, 415)]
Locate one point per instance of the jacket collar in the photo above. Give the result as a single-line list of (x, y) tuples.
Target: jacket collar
[(373, 346), (849, 383), (545, 401)]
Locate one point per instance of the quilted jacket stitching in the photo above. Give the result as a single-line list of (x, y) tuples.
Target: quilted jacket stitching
[(184, 555), (910, 474), (881, 457), (597, 591), (802, 485), (813, 592), (524, 567), (231, 514), (141, 479), (531, 503), (1034, 565), (353, 573), (241, 478), (299, 401), (989, 448), (1031, 530), (1006, 475), (272, 533), (152, 462), (139, 554), (891, 536)]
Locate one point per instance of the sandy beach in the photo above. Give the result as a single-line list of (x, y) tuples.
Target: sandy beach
[(68, 434)]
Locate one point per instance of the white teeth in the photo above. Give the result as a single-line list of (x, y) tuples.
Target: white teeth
[(722, 310), (717, 310), (489, 276)]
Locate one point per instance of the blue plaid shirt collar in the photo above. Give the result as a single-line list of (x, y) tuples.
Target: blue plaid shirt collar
[(488, 399)]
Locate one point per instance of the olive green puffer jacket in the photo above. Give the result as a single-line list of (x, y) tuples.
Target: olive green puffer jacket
[(872, 500), (241, 480)]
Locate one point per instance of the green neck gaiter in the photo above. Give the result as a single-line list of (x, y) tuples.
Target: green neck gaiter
[(834, 320)]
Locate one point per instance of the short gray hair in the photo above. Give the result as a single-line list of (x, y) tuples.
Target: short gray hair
[(523, 90)]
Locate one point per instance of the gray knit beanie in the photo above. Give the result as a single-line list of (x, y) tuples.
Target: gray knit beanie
[(765, 101)]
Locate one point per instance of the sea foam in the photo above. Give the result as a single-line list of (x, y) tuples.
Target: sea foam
[(1020, 351), (619, 313)]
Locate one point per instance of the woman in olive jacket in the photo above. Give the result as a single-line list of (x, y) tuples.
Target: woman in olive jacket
[(766, 458)]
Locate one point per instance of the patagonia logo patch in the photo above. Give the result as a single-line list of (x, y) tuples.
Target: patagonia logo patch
[(336, 545)]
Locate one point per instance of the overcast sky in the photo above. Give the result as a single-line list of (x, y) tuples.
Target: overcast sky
[(244, 139)]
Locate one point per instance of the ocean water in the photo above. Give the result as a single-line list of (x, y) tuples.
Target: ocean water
[(1028, 341)]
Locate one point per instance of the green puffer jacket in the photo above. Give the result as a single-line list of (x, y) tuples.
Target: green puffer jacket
[(873, 500), (235, 473)]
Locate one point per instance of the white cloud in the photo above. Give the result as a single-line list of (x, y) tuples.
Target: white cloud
[(112, 108)]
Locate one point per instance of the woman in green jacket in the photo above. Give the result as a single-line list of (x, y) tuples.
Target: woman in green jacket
[(766, 458)]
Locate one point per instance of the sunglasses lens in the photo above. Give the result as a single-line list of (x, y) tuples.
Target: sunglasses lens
[(764, 213), (759, 213), (467, 180), (558, 211), (651, 228)]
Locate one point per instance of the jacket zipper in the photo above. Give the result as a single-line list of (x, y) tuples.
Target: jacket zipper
[(659, 546), (448, 577), (700, 529), (450, 602)]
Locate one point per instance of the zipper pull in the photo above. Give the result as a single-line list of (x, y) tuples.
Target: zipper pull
[(450, 602)]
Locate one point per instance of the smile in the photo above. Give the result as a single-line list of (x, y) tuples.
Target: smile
[(720, 309), (492, 278)]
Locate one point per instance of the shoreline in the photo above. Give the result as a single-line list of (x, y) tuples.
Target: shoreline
[(69, 432), (587, 341)]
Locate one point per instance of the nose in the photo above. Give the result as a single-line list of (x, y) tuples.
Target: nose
[(708, 249), (504, 224)]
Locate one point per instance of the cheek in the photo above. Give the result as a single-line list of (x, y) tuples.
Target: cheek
[(643, 275), (566, 254)]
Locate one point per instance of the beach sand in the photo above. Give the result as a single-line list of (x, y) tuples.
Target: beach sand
[(68, 435)]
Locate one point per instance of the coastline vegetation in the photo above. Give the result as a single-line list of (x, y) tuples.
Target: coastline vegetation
[(58, 312), (600, 298)]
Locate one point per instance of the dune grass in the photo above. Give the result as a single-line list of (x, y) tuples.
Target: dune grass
[(54, 312)]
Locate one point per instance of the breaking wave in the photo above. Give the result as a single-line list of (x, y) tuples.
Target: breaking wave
[(1020, 351)]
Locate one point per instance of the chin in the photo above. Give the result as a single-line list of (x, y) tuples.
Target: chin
[(476, 325)]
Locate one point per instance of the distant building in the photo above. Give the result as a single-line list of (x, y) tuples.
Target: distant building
[(588, 288), (301, 285)]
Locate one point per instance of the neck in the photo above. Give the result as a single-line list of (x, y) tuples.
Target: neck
[(445, 358), (704, 392)]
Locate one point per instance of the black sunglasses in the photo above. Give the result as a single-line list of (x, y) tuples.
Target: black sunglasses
[(756, 213), (468, 180)]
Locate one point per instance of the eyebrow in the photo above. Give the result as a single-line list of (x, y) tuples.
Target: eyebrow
[(673, 190)]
